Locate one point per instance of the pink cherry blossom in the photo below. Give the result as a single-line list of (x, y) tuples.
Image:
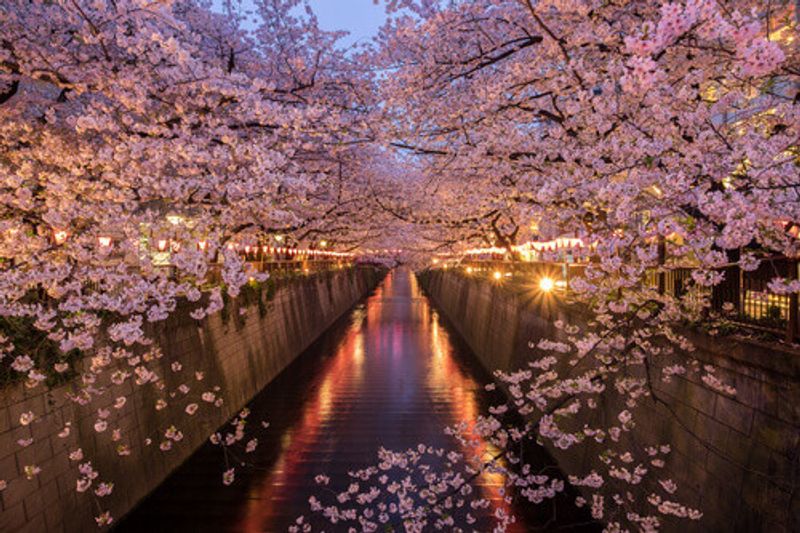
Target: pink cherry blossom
[(228, 476)]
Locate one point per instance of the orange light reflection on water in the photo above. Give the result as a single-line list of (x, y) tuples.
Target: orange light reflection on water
[(300, 439), (445, 372), (445, 382)]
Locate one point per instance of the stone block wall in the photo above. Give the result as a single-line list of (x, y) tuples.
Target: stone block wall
[(735, 458), (238, 352)]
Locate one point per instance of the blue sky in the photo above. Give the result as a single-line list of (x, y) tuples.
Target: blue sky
[(361, 18)]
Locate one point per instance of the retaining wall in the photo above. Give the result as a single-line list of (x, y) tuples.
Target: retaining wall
[(737, 459), (240, 353)]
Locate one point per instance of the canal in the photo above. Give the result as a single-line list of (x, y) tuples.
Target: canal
[(389, 374)]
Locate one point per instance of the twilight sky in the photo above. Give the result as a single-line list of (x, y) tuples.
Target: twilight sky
[(361, 18)]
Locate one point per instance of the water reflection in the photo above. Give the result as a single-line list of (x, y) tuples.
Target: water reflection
[(388, 375)]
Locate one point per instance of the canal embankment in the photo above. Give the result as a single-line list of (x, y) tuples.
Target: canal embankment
[(388, 374), (735, 458), (239, 350)]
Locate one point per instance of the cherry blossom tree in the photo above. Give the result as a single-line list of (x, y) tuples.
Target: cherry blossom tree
[(131, 124), (140, 143), (534, 107), (663, 134)]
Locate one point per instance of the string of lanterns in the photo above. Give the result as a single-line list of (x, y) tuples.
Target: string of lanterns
[(560, 243), (285, 250), (162, 245)]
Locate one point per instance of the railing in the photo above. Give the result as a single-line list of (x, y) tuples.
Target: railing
[(746, 298), (276, 268), (743, 297), (282, 268), (674, 281)]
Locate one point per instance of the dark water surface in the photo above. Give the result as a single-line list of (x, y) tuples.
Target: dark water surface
[(389, 374)]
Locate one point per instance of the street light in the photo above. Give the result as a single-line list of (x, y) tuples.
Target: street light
[(546, 284), (498, 275)]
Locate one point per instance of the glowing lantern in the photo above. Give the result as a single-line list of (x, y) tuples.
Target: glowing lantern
[(60, 236), (162, 245), (174, 219), (202, 245), (105, 242), (498, 275)]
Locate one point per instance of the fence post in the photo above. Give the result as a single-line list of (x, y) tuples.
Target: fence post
[(741, 292), (791, 322), (662, 259)]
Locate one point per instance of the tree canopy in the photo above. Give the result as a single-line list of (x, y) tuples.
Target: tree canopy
[(660, 134)]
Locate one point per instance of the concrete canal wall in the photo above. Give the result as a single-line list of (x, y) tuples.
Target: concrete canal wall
[(241, 353), (736, 459)]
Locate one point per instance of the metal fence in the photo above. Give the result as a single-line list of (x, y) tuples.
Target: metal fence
[(276, 268), (674, 281), (746, 298), (282, 268)]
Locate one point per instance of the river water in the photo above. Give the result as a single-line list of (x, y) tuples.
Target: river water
[(389, 374)]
